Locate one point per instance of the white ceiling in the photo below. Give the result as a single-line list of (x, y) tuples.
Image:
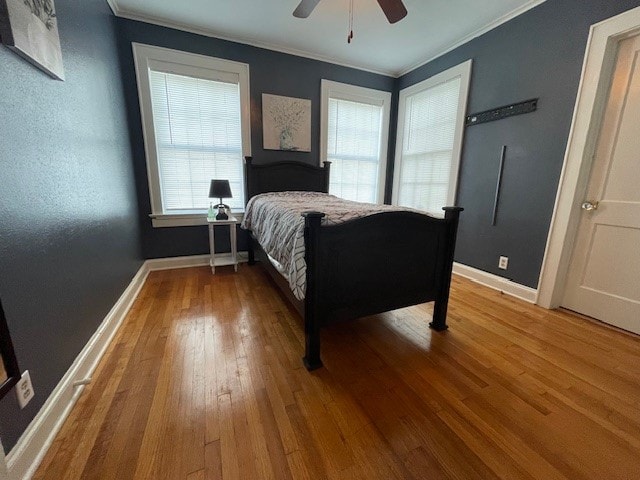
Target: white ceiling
[(431, 28)]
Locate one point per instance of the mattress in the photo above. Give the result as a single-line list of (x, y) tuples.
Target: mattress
[(276, 221)]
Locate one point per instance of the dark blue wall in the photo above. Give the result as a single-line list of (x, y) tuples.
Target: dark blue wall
[(69, 240), (538, 54), (269, 71), (72, 164)]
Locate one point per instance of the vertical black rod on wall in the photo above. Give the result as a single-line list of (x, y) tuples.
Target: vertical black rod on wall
[(499, 182), (497, 198)]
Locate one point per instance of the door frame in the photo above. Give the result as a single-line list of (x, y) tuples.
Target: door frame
[(593, 93)]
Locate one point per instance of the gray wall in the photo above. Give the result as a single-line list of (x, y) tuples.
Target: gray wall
[(270, 72), (538, 54), (69, 240)]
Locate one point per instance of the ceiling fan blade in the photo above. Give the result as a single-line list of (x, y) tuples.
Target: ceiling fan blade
[(305, 8), (393, 9)]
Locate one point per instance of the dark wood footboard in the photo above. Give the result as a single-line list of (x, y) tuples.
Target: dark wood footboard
[(375, 264)]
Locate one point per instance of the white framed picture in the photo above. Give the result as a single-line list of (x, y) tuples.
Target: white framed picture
[(286, 123), (30, 28)]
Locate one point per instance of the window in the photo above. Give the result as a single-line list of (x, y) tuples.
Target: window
[(430, 125), (355, 126), (195, 115)]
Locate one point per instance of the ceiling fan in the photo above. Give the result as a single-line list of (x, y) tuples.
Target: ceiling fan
[(394, 10)]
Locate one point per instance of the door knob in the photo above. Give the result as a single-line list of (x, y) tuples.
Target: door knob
[(588, 206)]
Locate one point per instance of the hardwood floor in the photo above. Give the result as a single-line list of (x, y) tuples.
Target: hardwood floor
[(205, 380)]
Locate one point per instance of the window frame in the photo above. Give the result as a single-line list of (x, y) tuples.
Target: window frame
[(188, 64), (355, 93), (463, 71)]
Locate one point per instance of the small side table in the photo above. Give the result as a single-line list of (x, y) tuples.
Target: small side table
[(231, 222)]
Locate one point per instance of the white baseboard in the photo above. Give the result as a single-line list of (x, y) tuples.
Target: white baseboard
[(490, 280), (4, 471), (25, 457)]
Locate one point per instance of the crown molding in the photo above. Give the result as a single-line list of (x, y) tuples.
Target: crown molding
[(123, 13), (481, 31), (113, 6)]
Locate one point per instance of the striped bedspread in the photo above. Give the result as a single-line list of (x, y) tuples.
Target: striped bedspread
[(277, 223)]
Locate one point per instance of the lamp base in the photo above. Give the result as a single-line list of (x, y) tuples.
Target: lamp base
[(222, 212)]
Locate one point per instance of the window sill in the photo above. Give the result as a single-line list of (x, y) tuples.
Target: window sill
[(162, 220)]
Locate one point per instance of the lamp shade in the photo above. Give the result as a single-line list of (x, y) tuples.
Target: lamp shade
[(220, 189)]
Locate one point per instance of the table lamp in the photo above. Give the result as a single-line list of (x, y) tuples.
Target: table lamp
[(220, 189)]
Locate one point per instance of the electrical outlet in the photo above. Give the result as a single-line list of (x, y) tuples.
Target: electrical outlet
[(503, 263), (24, 389)]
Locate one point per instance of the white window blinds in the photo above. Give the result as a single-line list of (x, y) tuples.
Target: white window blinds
[(429, 140), (197, 126), (430, 118), (353, 147)]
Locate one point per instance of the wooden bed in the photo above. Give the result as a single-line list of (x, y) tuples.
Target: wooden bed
[(361, 267)]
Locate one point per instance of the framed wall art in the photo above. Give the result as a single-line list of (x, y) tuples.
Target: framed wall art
[(30, 28), (286, 123), (9, 370)]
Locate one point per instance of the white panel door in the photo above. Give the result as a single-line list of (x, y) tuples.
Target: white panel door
[(604, 274)]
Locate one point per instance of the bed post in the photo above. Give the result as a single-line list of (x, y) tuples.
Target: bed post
[(248, 177), (439, 322), (327, 175), (312, 314), (248, 186)]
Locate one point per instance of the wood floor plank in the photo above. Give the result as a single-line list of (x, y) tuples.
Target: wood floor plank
[(213, 460), (278, 406), (228, 457), (272, 440), (336, 452), (314, 461), (204, 380), (258, 434), (298, 466), (211, 369)]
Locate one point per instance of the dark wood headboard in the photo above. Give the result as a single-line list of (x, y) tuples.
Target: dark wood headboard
[(284, 176)]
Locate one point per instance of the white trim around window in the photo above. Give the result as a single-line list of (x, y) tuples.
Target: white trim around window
[(461, 72), (369, 96), (149, 58)]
